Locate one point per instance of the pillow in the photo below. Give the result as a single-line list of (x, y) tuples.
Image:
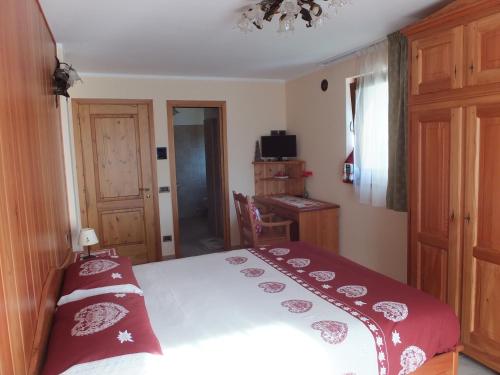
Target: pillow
[(98, 328), (256, 217), (100, 275)]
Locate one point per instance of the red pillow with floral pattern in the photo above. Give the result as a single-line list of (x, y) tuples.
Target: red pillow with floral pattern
[(256, 217), (100, 275), (97, 328)]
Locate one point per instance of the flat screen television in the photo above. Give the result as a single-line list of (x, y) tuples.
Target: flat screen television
[(279, 146)]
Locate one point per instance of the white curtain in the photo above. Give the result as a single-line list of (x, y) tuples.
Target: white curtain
[(371, 126)]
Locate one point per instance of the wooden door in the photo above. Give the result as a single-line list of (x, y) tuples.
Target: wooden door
[(222, 159), (214, 174), (436, 188), (483, 38), (481, 307), (114, 144), (437, 62)]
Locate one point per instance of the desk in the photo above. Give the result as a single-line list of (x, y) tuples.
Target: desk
[(315, 221)]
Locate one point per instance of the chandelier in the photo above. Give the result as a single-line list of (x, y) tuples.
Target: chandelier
[(288, 11)]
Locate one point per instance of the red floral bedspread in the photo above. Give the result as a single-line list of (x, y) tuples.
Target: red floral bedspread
[(408, 326)]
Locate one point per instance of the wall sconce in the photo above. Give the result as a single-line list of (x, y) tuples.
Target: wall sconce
[(65, 76)]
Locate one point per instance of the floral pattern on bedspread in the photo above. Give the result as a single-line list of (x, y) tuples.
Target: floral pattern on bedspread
[(402, 320)]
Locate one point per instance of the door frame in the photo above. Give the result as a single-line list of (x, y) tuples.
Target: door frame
[(77, 142), (221, 105)]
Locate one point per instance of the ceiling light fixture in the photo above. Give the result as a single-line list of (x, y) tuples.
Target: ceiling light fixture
[(288, 10)]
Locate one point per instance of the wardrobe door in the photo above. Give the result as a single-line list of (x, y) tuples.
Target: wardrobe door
[(481, 308), (483, 39), (437, 62), (435, 190)]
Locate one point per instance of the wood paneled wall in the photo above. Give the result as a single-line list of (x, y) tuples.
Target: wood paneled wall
[(34, 222)]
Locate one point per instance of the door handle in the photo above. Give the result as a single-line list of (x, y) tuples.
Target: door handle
[(144, 189), (452, 216), (468, 219)]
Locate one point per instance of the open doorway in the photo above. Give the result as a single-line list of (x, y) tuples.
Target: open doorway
[(198, 165)]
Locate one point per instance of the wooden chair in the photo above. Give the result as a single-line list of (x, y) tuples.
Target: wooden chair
[(271, 231)]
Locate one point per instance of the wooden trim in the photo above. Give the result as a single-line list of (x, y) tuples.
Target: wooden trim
[(460, 94), (486, 99), (479, 355), (409, 175), (488, 255), (154, 173), (221, 105), (197, 103), (50, 294), (173, 177), (47, 26), (457, 13), (442, 364), (79, 161), (455, 227), (225, 176), (111, 101), (80, 174)]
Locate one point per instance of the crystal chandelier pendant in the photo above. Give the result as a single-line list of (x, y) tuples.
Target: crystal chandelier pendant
[(318, 21), (288, 12), (290, 7), (286, 25), (259, 18), (244, 24), (337, 4)]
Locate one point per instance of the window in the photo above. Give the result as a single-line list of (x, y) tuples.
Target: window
[(368, 134), (351, 92)]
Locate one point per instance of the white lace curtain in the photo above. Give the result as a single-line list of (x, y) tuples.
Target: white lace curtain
[(371, 126)]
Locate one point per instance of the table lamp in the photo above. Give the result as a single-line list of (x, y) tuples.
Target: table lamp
[(87, 239)]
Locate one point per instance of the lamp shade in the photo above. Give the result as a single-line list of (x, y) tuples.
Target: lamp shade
[(87, 237)]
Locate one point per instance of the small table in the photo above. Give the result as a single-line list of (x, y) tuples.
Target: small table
[(315, 221), (79, 255)]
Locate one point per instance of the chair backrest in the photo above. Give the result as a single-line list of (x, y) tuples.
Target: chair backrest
[(246, 221)]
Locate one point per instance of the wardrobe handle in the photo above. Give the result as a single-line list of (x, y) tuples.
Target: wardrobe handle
[(467, 219), (452, 216)]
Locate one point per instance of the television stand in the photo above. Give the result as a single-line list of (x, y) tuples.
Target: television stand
[(279, 177), (284, 159)]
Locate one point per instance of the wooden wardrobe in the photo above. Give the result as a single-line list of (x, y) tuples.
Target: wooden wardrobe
[(454, 138)]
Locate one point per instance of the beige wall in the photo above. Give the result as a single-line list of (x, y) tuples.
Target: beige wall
[(253, 109), (371, 236)]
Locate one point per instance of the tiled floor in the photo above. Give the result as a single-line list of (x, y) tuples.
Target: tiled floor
[(196, 238), (470, 367)]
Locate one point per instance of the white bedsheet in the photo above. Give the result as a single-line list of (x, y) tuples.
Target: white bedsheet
[(211, 319)]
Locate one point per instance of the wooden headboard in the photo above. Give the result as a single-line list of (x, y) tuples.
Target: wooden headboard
[(50, 294), (44, 323), (34, 224)]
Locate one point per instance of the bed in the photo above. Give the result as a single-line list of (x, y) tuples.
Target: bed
[(289, 309)]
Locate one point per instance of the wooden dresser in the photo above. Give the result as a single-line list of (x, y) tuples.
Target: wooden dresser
[(454, 137), (317, 224)]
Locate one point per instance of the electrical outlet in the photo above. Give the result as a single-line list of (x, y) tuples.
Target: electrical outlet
[(161, 153), (167, 238)]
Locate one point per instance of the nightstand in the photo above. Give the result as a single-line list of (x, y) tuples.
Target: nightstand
[(103, 252)]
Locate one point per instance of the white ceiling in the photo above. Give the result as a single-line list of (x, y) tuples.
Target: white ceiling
[(198, 37)]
